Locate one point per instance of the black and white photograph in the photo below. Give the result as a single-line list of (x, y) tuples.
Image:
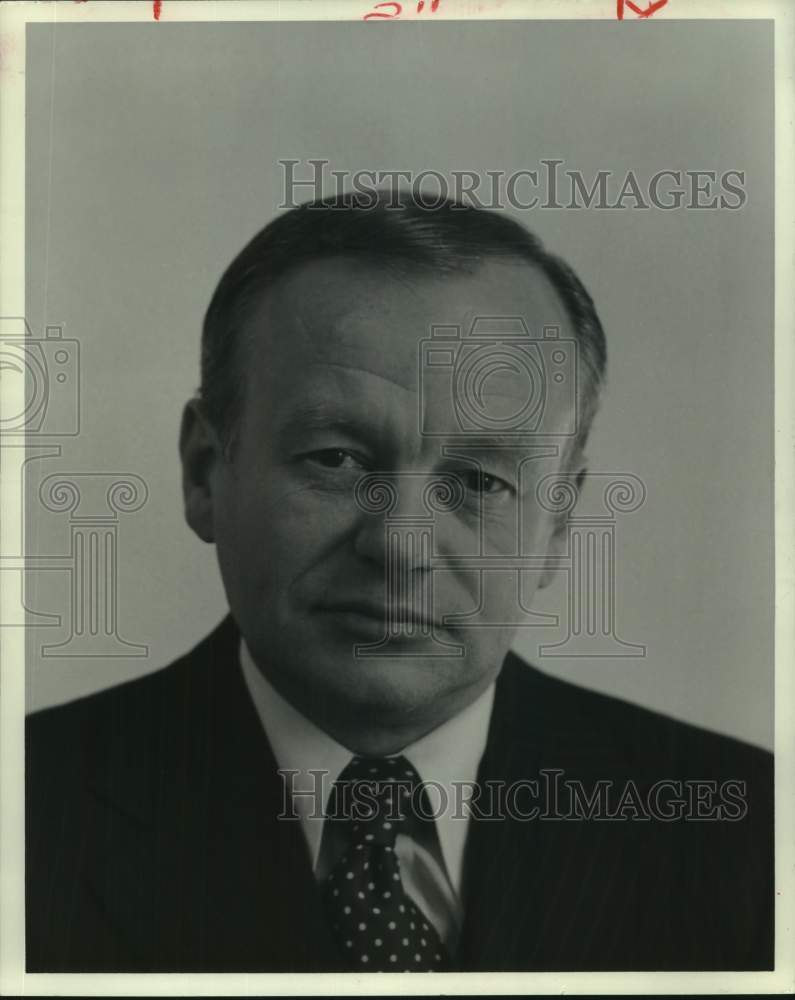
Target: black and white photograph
[(397, 495)]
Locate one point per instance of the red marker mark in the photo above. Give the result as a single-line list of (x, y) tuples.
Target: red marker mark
[(398, 11), (648, 11)]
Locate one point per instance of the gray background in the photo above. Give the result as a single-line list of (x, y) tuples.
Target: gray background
[(152, 157)]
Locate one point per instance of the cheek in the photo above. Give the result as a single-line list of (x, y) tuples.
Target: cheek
[(537, 529), (275, 530), (525, 531)]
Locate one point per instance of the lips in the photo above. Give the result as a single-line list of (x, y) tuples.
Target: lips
[(380, 613)]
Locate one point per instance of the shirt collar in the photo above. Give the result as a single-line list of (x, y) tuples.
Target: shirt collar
[(449, 755)]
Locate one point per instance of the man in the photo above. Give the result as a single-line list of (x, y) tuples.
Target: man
[(196, 819)]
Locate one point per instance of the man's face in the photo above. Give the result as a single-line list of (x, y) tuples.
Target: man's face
[(332, 393)]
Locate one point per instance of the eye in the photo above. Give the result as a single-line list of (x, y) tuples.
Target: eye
[(484, 483), (335, 458)]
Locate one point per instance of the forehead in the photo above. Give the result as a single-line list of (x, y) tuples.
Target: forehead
[(350, 313)]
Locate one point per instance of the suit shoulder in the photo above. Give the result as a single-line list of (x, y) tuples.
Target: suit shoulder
[(633, 733), (134, 705)]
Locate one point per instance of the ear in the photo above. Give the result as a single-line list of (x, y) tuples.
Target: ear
[(200, 450), (557, 540)]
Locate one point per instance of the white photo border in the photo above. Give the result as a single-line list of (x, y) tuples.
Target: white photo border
[(13, 979)]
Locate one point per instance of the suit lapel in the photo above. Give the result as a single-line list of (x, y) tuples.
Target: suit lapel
[(195, 869), (496, 859), (263, 908), (532, 887)]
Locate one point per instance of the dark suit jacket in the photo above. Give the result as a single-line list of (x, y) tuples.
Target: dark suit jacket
[(153, 844)]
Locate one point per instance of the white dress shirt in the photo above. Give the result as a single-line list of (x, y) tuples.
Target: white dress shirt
[(431, 872)]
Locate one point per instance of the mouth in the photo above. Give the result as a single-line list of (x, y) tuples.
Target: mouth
[(371, 617)]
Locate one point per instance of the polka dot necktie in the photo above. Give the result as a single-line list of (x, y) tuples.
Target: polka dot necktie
[(378, 926)]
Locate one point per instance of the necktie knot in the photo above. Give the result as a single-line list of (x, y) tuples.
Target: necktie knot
[(375, 794)]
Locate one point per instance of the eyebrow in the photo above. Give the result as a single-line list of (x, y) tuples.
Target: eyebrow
[(324, 416), (329, 415)]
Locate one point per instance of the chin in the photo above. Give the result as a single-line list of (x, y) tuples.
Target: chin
[(391, 684)]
